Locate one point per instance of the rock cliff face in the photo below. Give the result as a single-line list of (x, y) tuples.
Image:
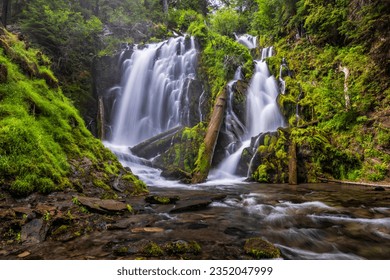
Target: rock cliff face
[(106, 74)]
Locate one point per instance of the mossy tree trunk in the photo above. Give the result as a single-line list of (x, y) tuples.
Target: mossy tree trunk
[(292, 164), (206, 151)]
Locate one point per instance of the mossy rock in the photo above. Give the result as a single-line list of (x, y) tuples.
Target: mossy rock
[(181, 247), (261, 249), (152, 250), (154, 199)]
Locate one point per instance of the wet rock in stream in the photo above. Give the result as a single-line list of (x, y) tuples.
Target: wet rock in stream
[(34, 232), (196, 203), (102, 205)]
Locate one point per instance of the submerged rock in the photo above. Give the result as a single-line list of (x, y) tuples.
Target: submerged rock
[(197, 203)]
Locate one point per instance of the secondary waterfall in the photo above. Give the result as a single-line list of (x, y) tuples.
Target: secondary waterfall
[(153, 94), (263, 114), (247, 40)]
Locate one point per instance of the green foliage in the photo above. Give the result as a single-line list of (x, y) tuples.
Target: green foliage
[(221, 58), (225, 22), (261, 174), (62, 32), (182, 19)]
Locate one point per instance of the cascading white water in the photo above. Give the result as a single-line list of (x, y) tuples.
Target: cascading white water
[(263, 114), (153, 92), (247, 40)]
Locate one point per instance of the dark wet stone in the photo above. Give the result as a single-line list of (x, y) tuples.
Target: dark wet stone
[(154, 199), (197, 226), (34, 232), (379, 189), (102, 205), (236, 232), (192, 205), (23, 210), (3, 253), (122, 224), (176, 174), (43, 209), (7, 214)]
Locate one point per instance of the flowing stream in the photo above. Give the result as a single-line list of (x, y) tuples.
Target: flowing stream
[(305, 222)]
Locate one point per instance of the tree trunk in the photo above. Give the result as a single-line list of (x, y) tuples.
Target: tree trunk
[(165, 6), (96, 10), (101, 120), (292, 164), (206, 152), (4, 14)]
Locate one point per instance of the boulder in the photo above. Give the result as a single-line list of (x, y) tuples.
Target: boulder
[(261, 249), (195, 204), (102, 205), (176, 174), (161, 200), (157, 144)]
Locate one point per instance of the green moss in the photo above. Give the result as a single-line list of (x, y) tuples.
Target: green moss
[(130, 208), (261, 249), (261, 174), (183, 247), (101, 184), (153, 250), (41, 134), (60, 230), (202, 164), (139, 186)]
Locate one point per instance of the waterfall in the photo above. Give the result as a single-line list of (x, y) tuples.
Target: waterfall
[(247, 40), (153, 95), (283, 68), (263, 114)]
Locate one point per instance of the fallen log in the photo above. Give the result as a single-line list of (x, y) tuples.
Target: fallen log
[(206, 151), (325, 180)]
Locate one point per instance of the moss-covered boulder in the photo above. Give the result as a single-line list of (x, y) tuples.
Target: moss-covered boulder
[(178, 161), (261, 249), (270, 162)]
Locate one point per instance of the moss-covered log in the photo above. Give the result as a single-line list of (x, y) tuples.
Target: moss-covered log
[(206, 151)]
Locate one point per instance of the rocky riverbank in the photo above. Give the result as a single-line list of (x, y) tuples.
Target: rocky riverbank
[(66, 225)]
